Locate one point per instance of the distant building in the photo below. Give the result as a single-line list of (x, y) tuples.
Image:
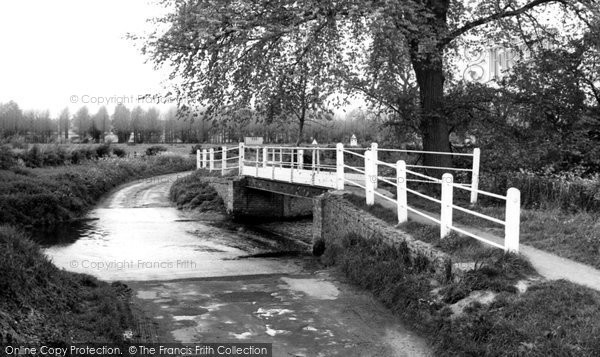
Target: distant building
[(111, 138), (353, 141), (253, 140)]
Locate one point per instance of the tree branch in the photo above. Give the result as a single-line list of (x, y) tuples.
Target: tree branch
[(493, 17)]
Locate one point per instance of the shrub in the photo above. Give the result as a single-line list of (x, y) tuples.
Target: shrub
[(119, 152), (7, 158), (103, 150), (194, 192), (33, 157), (195, 148), (153, 150)]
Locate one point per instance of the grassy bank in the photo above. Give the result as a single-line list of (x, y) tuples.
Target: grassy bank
[(47, 196), (480, 312), (570, 234), (194, 192), (40, 303)]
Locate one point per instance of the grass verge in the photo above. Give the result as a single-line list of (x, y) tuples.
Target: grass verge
[(194, 192), (48, 196), (550, 318), (571, 235), (40, 303)]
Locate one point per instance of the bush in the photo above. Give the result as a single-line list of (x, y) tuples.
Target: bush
[(7, 158), (119, 152), (196, 148), (103, 150), (153, 150), (194, 192), (33, 157)]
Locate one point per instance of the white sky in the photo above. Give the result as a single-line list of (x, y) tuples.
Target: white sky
[(52, 50)]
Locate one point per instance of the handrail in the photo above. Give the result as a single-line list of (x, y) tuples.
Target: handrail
[(439, 168), (354, 153), (254, 147), (467, 233), (479, 191), (423, 195), (354, 168), (335, 176), (481, 215), (427, 152), (423, 176)]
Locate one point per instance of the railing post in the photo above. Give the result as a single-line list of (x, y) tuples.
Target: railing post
[(446, 213), (318, 160), (265, 155), (211, 156), (241, 163), (339, 166), (401, 191), (475, 175), (280, 157), (223, 160), (292, 165), (513, 220), (313, 162), (273, 164), (198, 160), (300, 159), (374, 156), (369, 179), (204, 158), (256, 161)]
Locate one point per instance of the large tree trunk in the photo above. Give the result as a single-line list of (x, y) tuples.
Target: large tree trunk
[(434, 125)]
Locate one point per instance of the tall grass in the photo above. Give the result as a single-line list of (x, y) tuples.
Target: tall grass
[(567, 191), (48, 196), (194, 191), (41, 303), (552, 318)]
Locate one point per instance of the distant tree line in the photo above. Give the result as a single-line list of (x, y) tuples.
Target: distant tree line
[(152, 126)]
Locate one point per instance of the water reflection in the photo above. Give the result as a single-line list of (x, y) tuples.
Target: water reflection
[(67, 233)]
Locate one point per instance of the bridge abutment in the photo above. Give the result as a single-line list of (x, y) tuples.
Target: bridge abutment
[(246, 199)]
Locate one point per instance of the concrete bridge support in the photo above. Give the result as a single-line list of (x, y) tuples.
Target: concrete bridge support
[(248, 198)]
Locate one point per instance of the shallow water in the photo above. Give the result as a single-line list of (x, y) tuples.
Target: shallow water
[(217, 281)]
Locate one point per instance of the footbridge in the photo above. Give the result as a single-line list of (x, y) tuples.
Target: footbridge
[(281, 181)]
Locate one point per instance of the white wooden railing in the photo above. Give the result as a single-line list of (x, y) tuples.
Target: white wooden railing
[(285, 163)]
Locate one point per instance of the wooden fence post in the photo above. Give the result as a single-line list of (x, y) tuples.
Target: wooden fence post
[(204, 158), (339, 153), (374, 156), (300, 159), (446, 213), (198, 160), (475, 175), (369, 179), (513, 220), (211, 161), (223, 160), (241, 163), (265, 155), (401, 191)]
